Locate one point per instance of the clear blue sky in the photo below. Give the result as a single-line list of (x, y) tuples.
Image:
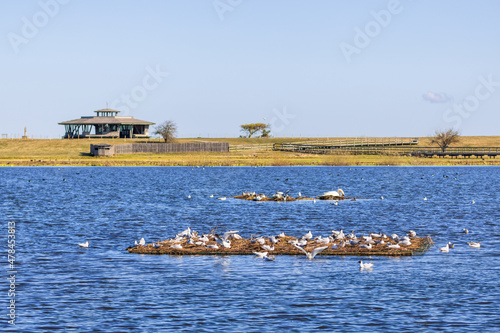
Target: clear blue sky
[(335, 68)]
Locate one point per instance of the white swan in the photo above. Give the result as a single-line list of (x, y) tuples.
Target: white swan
[(86, 244), (338, 193), (368, 265), (311, 255)]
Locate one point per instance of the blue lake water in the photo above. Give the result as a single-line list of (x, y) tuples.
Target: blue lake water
[(60, 286)]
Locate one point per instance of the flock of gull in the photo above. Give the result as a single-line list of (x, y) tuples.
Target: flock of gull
[(450, 245), (337, 239)]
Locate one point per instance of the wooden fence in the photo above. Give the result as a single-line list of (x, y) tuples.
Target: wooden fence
[(158, 148)]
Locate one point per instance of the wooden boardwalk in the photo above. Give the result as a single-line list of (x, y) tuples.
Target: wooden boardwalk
[(337, 142), (479, 152)]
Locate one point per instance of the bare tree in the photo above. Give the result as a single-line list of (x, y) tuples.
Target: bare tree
[(445, 138), (251, 129), (167, 130)]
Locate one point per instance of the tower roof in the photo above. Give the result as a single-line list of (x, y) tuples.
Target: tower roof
[(107, 110)]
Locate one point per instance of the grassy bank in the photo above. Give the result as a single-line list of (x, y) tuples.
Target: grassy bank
[(76, 152)]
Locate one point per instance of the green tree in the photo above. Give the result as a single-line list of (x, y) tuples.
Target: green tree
[(251, 129), (167, 130), (444, 138)]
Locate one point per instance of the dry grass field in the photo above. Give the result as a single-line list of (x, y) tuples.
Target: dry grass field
[(17, 152)]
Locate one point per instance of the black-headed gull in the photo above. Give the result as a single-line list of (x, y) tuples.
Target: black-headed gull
[(260, 254), (474, 244), (307, 236), (185, 233), (367, 265), (311, 255), (229, 233), (268, 247), (269, 258), (445, 248), (86, 244)]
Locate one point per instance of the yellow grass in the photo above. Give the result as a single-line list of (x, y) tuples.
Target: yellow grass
[(76, 152)]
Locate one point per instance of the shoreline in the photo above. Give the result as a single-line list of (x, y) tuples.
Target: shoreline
[(222, 163), (255, 152)]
